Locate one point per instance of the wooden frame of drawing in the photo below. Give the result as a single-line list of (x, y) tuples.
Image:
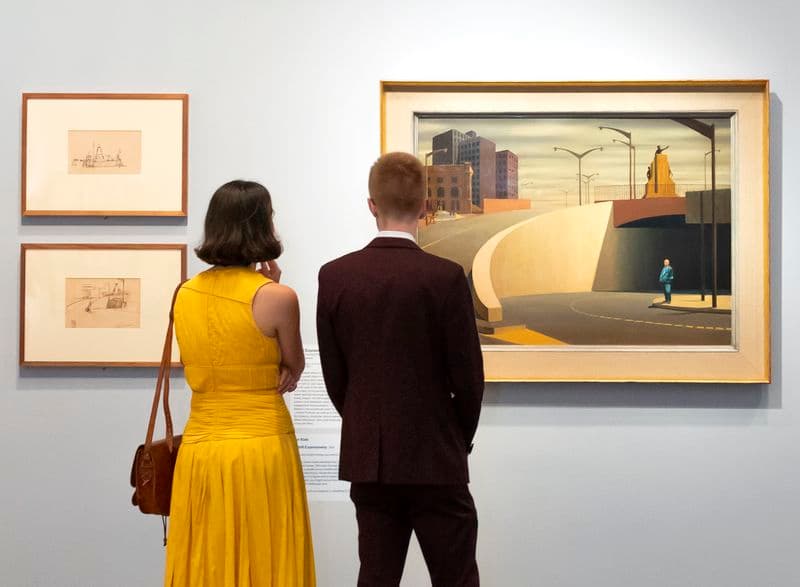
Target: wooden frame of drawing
[(96, 305), (569, 286), (104, 154)]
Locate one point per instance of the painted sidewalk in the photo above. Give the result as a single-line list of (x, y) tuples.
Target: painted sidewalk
[(693, 303)]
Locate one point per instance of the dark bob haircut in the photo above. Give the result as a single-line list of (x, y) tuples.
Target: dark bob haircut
[(238, 228)]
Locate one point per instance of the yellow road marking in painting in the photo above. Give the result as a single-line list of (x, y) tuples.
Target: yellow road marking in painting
[(522, 335), (650, 322)]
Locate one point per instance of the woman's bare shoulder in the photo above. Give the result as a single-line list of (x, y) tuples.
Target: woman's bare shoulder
[(275, 307), (275, 294)]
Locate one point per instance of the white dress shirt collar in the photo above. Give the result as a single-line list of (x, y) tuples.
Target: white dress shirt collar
[(396, 234)]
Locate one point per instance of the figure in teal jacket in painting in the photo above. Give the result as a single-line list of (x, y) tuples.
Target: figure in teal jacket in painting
[(665, 279)]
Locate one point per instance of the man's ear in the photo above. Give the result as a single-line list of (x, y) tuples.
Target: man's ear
[(373, 208)]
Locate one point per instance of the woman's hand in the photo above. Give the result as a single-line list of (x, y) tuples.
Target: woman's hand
[(288, 381), (270, 270)]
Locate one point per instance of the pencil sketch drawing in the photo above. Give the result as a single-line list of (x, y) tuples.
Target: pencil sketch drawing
[(103, 152), (102, 302)]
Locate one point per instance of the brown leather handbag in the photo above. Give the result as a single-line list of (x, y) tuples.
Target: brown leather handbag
[(154, 461)]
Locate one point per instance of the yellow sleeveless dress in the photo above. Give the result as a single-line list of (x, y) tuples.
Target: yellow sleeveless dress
[(239, 515)]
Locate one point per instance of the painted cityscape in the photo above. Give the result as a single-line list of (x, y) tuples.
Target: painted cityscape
[(585, 230)]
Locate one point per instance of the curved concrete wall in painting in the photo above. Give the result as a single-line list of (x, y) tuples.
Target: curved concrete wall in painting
[(531, 257), (579, 249)]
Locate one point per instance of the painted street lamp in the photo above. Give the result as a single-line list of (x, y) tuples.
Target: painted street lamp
[(708, 131), (587, 179), (632, 173), (579, 157), (631, 151), (705, 169), (703, 228), (427, 155)]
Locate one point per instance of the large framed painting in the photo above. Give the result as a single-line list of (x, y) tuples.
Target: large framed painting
[(104, 154), (610, 231), (97, 304)]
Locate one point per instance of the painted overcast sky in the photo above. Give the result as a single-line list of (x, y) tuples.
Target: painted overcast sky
[(544, 174)]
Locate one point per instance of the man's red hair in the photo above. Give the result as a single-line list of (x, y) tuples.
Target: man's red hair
[(397, 184)]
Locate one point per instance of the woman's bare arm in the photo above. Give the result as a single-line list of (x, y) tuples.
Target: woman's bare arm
[(277, 314)]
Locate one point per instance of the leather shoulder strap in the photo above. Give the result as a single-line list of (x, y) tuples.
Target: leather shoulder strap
[(163, 381)]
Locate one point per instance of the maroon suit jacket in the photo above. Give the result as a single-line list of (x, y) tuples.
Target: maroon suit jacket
[(402, 363)]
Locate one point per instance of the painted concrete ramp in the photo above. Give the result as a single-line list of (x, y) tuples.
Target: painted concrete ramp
[(557, 252)]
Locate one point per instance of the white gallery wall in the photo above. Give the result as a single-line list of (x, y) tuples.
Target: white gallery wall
[(601, 485)]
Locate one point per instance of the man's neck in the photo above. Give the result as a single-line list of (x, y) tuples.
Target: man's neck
[(399, 226), (401, 234)]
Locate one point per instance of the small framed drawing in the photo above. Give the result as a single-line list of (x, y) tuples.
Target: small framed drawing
[(97, 304), (104, 154), (610, 231)]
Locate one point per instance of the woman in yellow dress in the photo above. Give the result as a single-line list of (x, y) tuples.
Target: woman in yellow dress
[(239, 515)]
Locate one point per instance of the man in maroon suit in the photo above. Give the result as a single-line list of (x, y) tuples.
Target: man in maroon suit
[(402, 364)]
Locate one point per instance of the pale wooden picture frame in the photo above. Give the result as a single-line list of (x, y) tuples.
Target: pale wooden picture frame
[(96, 305), (104, 154), (747, 359)]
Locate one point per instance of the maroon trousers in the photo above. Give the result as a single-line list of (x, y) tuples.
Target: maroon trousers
[(443, 518)]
